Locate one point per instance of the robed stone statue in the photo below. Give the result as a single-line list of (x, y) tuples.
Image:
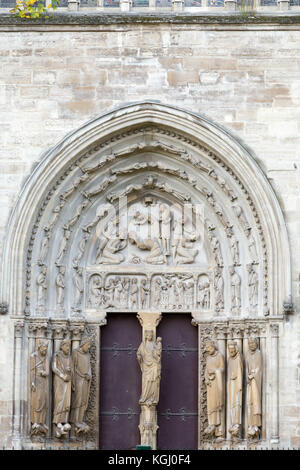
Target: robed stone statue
[(81, 383), (253, 376), (235, 388), (39, 381), (149, 358), (62, 369), (214, 379)]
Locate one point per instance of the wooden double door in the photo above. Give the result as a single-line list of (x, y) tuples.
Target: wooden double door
[(120, 383)]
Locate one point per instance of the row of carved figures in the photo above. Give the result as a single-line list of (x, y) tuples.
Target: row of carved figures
[(215, 385), (71, 388), (166, 292)]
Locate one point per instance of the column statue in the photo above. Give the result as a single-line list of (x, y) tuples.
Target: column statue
[(81, 382), (235, 387), (214, 379), (62, 369), (253, 377), (39, 383)]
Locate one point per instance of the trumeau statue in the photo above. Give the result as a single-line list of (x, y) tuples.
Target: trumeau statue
[(149, 358), (214, 379), (235, 388), (39, 383), (81, 382), (253, 377), (62, 369)]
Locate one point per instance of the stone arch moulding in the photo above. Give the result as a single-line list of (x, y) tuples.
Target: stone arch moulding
[(168, 153)]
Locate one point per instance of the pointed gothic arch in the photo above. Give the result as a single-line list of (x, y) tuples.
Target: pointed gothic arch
[(148, 152), (181, 148)]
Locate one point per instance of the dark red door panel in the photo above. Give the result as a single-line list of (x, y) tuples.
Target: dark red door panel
[(178, 404), (120, 382)]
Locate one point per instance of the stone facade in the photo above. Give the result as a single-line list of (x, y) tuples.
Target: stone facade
[(243, 78)]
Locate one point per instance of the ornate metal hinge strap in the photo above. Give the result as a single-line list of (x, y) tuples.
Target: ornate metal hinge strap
[(182, 349), (116, 349), (181, 413), (115, 413)]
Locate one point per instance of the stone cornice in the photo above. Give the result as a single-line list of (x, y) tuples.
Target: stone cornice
[(94, 20)]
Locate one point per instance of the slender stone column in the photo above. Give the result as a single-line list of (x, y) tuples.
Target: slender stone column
[(17, 403), (37, 331), (76, 330), (263, 348), (274, 372), (148, 417), (221, 335)]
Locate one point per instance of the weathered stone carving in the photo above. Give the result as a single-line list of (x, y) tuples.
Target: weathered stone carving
[(62, 369), (184, 251), (44, 249), (216, 249), (109, 248), (219, 289), (214, 379), (156, 255), (144, 293), (239, 212), (235, 289), (66, 194), (204, 293), (96, 286), (81, 381), (81, 249), (234, 248), (41, 287), (60, 289), (235, 388), (53, 219), (254, 382), (253, 286), (252, 246), (62, 247), (149, 358), (77, 215), (39, 385), (78, 289)]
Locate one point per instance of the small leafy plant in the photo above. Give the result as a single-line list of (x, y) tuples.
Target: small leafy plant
[(33, 8)]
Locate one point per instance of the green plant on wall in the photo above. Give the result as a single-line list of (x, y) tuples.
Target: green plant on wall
[(33, 8)]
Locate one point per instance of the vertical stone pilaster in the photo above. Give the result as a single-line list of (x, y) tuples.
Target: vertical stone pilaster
[(274, 377), (17, 403)]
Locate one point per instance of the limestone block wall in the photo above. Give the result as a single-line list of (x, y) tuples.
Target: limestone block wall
[(246, 78)]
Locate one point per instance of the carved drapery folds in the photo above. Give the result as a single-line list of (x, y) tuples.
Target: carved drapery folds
[(149, 358), (234, 356), (60, 349)]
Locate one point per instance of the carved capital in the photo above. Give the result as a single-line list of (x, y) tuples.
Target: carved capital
[(37, 330), (221, 331), (19, 327), (76, 330), (236, 331), (149, 320), (59, 331)]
